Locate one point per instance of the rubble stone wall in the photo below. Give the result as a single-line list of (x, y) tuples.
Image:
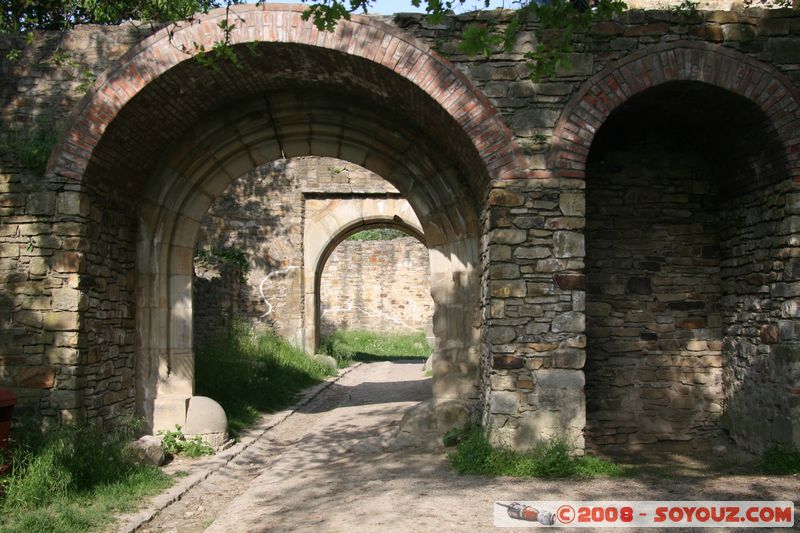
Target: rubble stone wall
[(69, 289), (377, 286), (654, 337), (262, 214)]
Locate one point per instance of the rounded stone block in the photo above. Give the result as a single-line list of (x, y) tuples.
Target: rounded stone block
[(206, 418)]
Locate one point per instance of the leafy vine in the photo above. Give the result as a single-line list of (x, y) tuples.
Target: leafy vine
[(559, 22)]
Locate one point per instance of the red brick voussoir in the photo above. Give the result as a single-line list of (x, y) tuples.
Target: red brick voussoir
[(362, 37), (728, 69)]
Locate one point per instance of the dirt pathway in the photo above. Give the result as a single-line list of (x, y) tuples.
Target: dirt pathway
[(324, 469)]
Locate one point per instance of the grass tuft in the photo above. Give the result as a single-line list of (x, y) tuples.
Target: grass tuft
[(549, 459), (348, 346), (249, 374), (72, 478), (781, 459)]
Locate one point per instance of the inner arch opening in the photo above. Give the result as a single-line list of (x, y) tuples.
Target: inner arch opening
[(375, 283)]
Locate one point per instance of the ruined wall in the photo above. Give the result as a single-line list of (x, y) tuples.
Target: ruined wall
[(66, 268), (216, 291), (534, 236), (377, 286), (262, 214)]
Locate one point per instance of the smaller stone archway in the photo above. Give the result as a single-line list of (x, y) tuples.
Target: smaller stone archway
[(755, 236), (330, 222)]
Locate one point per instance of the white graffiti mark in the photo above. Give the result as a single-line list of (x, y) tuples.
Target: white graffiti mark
[(378, 314), (261, 288)]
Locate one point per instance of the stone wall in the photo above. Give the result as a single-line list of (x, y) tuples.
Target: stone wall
[(67, 354), (263, 214), (760, 269), (66, 266), (216, 292), (654, 338), (377, 286)]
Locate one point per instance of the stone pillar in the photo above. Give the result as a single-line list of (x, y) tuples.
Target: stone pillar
[(534, 310)]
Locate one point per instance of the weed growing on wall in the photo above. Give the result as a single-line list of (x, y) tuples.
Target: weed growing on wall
[(223, 256), (31, 146), (559, 22)]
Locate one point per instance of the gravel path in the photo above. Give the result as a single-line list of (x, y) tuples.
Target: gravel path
[(325, 468)]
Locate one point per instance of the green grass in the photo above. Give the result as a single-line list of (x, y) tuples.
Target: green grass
[(550, 459), (378, 234), (347, 346), (249, 374), (781, 459), (72, 479)]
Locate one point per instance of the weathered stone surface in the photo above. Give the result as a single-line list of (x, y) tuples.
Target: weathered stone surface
[(41, 203), (509, 236), (572, 203), (207, 419), (500, 335), (559, 379), (574, 322), (502, 197), (527, 122), (568, 244), (503, 402), (638, 286), (69, 300), (148, 451), (570, 281), (507, 362), (504, 271), (569, 358), (509, 289), (531, 252)]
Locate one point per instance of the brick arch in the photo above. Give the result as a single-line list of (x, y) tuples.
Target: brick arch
[(728, 69), (360, 37), (160, 136)]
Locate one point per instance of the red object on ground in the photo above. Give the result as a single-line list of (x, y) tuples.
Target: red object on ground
[(7, 402)]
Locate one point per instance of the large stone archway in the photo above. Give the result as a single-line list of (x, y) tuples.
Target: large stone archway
[(737, 301), (160, 136)]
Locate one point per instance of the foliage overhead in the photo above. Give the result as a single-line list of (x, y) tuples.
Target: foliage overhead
[(26, 15)]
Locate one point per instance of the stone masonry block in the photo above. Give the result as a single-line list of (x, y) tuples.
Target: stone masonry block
[(559, 379), (504, 402), (568, 244), (572, 322)]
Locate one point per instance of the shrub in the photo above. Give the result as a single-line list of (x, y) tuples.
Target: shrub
[(176, 443), (781, 459)]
